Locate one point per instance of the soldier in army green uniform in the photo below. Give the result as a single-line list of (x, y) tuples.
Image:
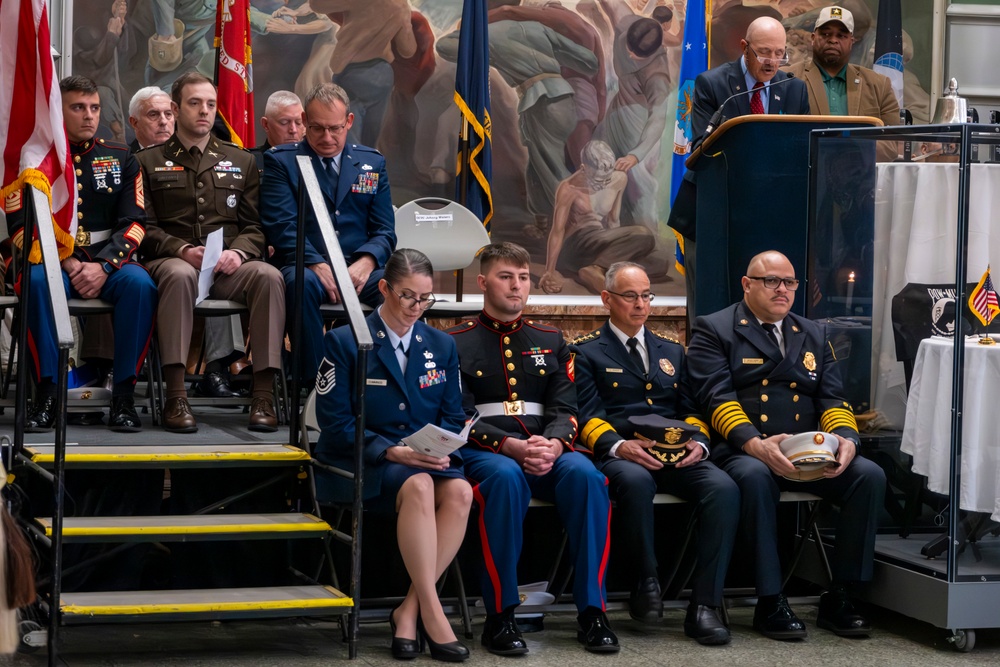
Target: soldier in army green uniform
[(110, 228), (195, 185)]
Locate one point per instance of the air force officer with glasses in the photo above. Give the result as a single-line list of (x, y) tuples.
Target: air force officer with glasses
[(761, 373), (355, 189)]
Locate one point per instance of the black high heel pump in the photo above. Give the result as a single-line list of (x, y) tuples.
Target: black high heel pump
[(404, 649), (454, 651)]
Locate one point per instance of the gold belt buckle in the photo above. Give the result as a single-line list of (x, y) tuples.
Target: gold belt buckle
[(513, 408), (82, 237)]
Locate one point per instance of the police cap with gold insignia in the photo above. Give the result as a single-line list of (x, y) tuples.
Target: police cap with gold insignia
[(811, 453), (670, 436)]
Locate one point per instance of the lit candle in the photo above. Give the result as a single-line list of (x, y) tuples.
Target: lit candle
[(850, 291)]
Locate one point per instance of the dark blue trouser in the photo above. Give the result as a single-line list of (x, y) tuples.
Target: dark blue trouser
[(858, 491), (313, 296), (502, 491), (133, 294), (717, 506)]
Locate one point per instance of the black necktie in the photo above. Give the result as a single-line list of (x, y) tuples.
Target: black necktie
[(633, 352), (770, 329), (196, 154)]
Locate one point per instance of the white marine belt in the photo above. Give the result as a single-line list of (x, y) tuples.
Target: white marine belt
[(510, 409)]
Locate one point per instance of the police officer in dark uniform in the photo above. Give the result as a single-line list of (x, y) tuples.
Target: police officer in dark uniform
[(762, 373), (111, 223), (195, 185), (625, 370), (518, 374)]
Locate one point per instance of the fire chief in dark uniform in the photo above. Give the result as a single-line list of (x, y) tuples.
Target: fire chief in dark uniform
[(518, 374), (762, 373), (195, 185), (625, 370), (110, 228)]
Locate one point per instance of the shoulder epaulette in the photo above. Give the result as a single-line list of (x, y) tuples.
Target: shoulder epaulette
[(366, 148), (283, 147), (664, 336), (541, 326), (586, 338), (468, 325), (113, 144)]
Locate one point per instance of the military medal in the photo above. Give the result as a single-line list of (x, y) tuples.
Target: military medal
[(231, 201), (667, 367)]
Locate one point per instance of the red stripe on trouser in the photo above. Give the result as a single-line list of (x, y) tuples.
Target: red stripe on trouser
[(491, 567), (604, 558)]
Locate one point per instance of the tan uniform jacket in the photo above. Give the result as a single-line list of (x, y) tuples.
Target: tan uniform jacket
[(868, 92), (186, 201)]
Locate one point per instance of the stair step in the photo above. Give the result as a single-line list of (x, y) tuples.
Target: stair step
[(188, 528), (203, 604), (169, 456)]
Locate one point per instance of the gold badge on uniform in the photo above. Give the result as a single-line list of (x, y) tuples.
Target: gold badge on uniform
[(809, 361), (673, 435), (666, 366)]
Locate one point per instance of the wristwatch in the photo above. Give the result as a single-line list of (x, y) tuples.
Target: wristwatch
[(107, 268)]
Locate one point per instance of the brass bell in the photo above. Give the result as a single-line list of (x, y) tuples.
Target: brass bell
[(951, 108)]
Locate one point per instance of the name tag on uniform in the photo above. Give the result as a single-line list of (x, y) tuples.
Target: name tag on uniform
[(613, 370), (752, 362), (376, 383)]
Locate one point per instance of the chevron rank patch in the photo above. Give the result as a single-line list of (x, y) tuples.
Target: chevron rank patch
[(326, 377), (13, 202), (140, 196)]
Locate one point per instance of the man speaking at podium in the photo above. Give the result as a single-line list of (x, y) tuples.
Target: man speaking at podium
[(751, 85)]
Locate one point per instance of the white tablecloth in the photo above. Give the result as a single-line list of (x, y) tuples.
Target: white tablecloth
[(916, 213), (927, 434)]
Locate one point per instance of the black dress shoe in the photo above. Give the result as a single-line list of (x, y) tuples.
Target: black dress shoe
[(402, 649), (645, 603), (215, 385), (838, 615), (454, 651), (703, 625), (123, 417), (775, 619), (501, 635), (42, 415), (595, 632), (85, 419)]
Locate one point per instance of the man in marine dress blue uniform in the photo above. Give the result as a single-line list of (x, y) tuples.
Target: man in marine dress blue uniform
[(111, 227), (762, 373), (624, 370), (355, 188), (518, 374)]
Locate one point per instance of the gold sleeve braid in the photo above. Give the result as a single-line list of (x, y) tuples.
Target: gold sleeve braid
[(593, 430), (728, 416), (835, 418), (702, 426)]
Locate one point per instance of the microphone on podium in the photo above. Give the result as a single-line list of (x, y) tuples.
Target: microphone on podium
[(717, 116)]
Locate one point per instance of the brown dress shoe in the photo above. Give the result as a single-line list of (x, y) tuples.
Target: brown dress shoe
[(263, 418), (177, 417)]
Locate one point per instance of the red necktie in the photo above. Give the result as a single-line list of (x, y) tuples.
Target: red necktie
[(756, 104)]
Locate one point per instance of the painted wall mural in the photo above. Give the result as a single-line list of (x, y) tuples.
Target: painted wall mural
[(583, 97)]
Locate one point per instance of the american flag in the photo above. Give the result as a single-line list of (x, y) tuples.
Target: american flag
[(33, 139), (983, 300)]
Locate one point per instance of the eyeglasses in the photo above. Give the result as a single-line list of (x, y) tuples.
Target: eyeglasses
[(780, 59), (772, 282), (408, 301), (323, 129), (632, 297)]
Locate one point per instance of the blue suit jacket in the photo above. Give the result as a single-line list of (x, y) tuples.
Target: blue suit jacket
[(712, 87), (360, 209), (610, 388), (396, 405)]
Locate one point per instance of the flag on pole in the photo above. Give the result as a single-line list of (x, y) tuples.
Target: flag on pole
[(889, 45), (983, 300), (694, 61), (472, 95), (233, 70), (32, 136)]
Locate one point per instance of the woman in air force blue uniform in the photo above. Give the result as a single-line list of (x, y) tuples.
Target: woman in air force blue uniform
[(413, 380)]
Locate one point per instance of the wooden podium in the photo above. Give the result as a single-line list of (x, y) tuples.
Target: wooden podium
[(752, 176)]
